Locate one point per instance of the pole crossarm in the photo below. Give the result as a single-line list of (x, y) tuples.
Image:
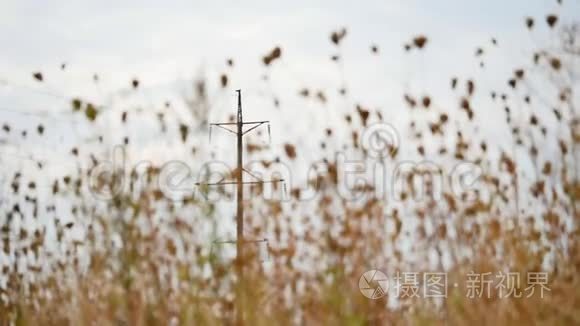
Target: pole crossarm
[(221, 125), (236, 241), (255, 124), (253, 175), (235, 182), (235, 123)]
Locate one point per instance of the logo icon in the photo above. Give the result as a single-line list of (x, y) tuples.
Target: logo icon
[(380, 140), (373, 284)]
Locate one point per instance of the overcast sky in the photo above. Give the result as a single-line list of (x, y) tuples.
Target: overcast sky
[(167, 43), (160, 41)]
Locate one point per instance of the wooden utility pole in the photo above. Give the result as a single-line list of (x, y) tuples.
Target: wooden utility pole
[(239, 172), (240, 201)]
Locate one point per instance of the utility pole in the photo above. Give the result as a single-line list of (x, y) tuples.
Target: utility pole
[(240, 180), (239, 173)]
